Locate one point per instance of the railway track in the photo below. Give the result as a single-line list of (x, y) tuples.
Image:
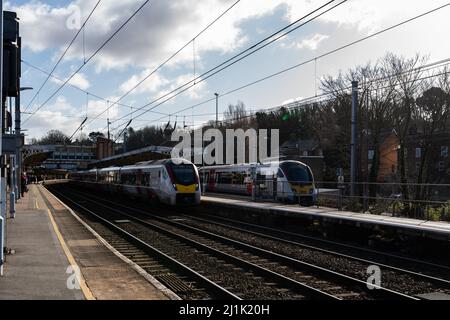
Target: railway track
[(182, 280), (218, 268), (425, 269), (296, 279)]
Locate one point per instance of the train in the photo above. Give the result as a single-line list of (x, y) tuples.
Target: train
[(170, 181), (286, 181)]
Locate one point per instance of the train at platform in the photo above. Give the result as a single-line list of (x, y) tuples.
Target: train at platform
[(169, 181), (286, 181)]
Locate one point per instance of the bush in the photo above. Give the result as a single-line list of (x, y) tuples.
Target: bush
[(441, 213)]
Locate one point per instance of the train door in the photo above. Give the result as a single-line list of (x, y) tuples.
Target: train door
[(138, 182), (282, 186), (165, 183)]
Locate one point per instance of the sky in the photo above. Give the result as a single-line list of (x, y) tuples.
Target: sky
[(162, 27)]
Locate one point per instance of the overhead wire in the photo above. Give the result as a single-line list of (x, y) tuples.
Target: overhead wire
[(89, 59)]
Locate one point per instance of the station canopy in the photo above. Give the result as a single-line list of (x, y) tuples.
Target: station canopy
[(36, 160), (133, 157)]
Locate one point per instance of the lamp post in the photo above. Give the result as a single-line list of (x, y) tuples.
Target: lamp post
[(18, 130), (217, 109)]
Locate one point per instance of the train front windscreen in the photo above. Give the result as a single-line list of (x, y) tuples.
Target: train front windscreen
[(296, 173), (184, 174)]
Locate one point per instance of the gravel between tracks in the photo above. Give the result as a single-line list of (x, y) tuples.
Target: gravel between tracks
[(244, 284), (394, 280)]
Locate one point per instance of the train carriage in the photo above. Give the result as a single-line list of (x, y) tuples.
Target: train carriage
[(288, 181), (172, 181)]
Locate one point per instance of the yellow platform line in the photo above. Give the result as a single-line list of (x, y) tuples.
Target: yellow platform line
[(86, 291)]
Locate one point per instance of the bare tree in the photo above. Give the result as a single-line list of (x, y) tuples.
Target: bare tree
[(431, 115), (236, 115), (405, 76)]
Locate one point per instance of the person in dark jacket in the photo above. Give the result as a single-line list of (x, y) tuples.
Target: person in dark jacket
[(23, 184)]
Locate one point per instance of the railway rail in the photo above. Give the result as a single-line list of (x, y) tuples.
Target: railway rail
[(182, 280), (426, 269), (294, 278)]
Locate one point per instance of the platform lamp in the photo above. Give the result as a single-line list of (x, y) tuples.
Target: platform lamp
[(217, 109)]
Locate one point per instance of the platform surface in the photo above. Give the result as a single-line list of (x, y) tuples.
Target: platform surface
[(50, 243), (37, 270), (442, 228)]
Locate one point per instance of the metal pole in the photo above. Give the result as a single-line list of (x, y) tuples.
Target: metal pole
[(354, 138), (18, 129), (217, 109), (2, 220), (12, 187)]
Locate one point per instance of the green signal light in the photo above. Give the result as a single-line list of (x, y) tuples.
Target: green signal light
[(285, 117)]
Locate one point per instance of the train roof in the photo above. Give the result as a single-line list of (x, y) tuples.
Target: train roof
[(251, 165), (146, 164)]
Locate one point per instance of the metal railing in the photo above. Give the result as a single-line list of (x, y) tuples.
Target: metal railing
[(417, 201)]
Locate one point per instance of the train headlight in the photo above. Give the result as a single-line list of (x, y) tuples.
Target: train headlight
[(197, 187), (175, 187)]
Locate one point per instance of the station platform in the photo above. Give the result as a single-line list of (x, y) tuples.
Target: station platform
[(56, 257), (433, 229)]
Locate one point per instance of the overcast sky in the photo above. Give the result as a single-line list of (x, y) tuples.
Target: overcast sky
[(163, 26)]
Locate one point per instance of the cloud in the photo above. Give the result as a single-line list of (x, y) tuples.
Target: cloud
[(60, 115), (195, 92), (152, 84), (158, 31), (153, 35), (162, 27), (311, 43), (79, 80)]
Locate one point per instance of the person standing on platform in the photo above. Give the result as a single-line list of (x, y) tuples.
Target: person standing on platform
[(23, 183)]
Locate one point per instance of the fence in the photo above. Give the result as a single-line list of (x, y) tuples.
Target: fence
[(420, 201)]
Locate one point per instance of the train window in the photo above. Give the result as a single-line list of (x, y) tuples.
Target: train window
[(146, 179), (224, 178), (297, 173), (238, 178), (139, 179), (129, 179), (184, 174)]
